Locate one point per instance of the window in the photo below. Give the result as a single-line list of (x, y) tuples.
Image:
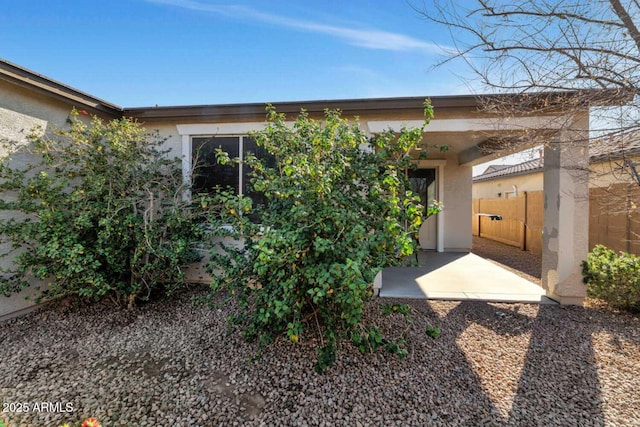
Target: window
[(423, 183), (208, 175)]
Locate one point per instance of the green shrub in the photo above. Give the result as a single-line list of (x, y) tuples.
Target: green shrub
[(613, 278), (433, 331), (337, 214), (101, 213)]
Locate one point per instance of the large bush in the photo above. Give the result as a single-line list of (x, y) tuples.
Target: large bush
[(613, 278), (339, 210), (97, 212)]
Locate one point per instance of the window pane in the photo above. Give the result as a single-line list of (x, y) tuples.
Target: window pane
[(207, 173), (423, 184), (250, 147)]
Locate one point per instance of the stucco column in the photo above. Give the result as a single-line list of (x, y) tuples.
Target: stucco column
[(565, 240)]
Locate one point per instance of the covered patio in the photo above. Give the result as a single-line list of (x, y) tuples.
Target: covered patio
[(492, 271), (459, 276)]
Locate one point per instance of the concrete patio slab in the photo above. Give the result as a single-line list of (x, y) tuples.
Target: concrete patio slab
[(459, 276)]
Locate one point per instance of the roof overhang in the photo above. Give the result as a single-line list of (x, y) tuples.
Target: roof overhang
[(256, 111), (28, 79), (531, 104)]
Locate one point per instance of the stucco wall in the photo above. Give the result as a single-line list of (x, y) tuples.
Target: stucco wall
[(169, 133), (457, 205), (603, 174), (21, 112), (490, 189), (22, 109)]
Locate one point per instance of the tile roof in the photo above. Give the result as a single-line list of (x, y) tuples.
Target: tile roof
[(615, 147), (492, 168), (529, 166), (611, 147)]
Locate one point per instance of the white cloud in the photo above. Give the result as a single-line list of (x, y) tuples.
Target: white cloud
[(364, 37)]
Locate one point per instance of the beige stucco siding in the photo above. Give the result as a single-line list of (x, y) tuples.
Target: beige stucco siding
[(22, 112), (605, 173), (169, 133), (457, 206), (602, 174), (490, 189), (18, 99)]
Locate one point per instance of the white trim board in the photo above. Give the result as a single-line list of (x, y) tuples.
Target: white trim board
[(470, 125), (241, 128), (377, 126)]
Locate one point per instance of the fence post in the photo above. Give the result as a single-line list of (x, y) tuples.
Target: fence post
[(523, 238), (479, 217), (628, 210)]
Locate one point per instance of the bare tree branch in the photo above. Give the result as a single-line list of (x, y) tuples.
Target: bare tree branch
[(626, 19), (530, 47)]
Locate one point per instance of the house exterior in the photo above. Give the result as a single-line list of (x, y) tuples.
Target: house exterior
[(28, 99), (508, 181), (610, 160), (614, 189)]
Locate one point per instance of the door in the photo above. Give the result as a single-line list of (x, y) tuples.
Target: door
[(423, 183)]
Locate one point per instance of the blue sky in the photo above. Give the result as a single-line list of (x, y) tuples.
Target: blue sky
[(181, 52)]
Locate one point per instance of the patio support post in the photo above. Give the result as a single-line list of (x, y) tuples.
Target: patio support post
[(565, 239)]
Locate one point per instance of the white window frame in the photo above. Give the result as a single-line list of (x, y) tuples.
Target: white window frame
[(189, 131)]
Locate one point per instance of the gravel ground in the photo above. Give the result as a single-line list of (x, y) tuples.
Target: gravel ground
[(171, 363)]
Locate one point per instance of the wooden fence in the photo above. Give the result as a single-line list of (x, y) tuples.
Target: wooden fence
[(521, 223), (614, 219)]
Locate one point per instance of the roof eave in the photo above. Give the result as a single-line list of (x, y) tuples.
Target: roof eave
[(255, 110), (615, 155), (28, 79), (362, 106)]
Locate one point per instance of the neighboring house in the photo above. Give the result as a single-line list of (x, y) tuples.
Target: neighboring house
[(508, 181), (28, 99), (614, 188), (615, 192), (615, 160)]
